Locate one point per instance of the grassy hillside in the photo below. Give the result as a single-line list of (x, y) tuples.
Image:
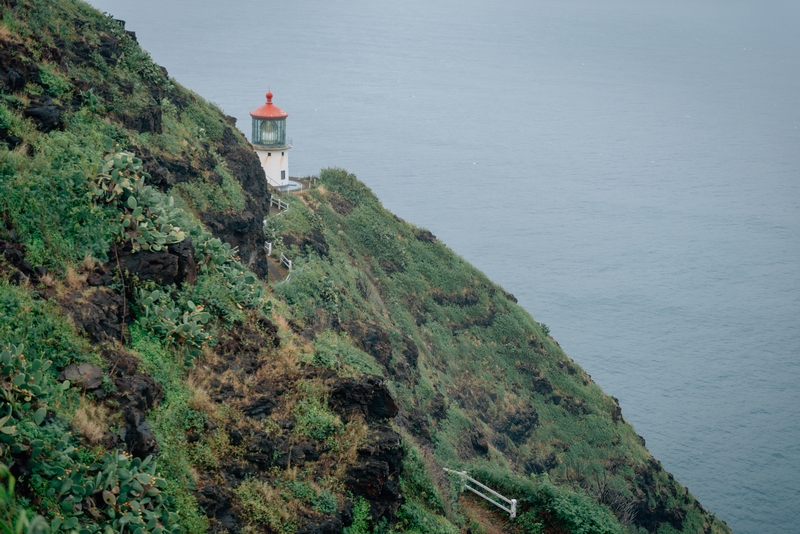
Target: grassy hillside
[(160, 373)]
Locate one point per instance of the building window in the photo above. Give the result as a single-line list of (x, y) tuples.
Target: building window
[(282, 153), (283, 175), (269, 132), (269, 154)]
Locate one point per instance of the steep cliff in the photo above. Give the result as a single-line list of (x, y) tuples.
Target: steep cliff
[(155, 380)]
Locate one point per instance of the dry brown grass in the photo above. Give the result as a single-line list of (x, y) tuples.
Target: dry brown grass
[(208, 357), (89, 263), (347, 444), (90, 421), (47, 280), (74, 279), (264, 506), (283, 324), (200, 400)]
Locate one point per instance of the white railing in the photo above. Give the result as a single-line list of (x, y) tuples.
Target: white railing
[(286, 261), (512, 503), (275, 201), (268, 248)]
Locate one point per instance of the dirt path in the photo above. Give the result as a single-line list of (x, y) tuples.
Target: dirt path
[(492, 522)]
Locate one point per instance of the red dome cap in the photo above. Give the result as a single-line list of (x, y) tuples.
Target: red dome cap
[(269, 110)]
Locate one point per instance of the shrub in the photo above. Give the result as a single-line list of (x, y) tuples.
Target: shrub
[(158, 313), (259, 503), (315, 420), (13, 516), (146, 221), (545, 329), (347, 185), (361, 518), (416, 519), (321, 500)]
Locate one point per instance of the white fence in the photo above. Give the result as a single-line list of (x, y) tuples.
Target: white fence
[(275, 201), (286, 261), (465, 478), (268, 248)]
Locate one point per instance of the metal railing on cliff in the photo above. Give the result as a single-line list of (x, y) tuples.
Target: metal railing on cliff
[(465, 479)]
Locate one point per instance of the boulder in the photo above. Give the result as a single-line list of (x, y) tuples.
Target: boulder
[(84, 375)]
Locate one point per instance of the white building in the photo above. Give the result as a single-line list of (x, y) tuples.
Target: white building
[(270, 143)]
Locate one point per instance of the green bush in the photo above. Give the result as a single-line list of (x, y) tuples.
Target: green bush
[(321, 500), (259, 503), (348, 186), (146, 220), (68, 478), (361, 517), (159, 314), (414, 518), (336, 351), (315, 420), (13, 516)]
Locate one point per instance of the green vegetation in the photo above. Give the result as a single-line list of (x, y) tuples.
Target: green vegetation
[(470, 364), (209, 398)]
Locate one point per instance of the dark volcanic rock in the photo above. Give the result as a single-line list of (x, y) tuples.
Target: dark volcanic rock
[(98, 312), (542, 385), (139, 392), (175, 265), (134, 394), (187, 269), (367, 396), (120, 363), (424, 235), (137, 436), (146, 120), (244, 231), (328, 526), (518, 424), (340, 205), (45, 114), (261, 406), (215, 500), (375, 473), (109, 48), (538, 466), (16, 69), (160, 267), (84, 375), (479, 443), (616, 411), (11, 140), (314, 240), (14, 254), (660, 507)]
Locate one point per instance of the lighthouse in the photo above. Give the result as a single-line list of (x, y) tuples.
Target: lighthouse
[(270, 143)]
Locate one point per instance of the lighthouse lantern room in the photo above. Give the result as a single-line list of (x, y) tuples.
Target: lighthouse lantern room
[(270, 142)]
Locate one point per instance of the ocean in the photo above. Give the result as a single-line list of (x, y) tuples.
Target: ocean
[(629, 169)]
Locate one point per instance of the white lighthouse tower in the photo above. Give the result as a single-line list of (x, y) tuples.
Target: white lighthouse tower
[(270, 143)]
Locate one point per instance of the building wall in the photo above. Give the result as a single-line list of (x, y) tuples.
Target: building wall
[(273, 162)]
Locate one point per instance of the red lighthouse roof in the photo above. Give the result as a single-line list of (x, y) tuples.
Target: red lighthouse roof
[(269, 111)]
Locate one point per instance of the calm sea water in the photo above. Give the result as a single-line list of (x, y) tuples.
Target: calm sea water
[(629, 169)]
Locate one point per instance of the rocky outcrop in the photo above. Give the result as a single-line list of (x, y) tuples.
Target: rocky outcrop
[(245, 229), (175, 265), (99, 312), (376, 472), (313, 240), (366, 396), (16, 67), (45, 114), (135, 393)]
